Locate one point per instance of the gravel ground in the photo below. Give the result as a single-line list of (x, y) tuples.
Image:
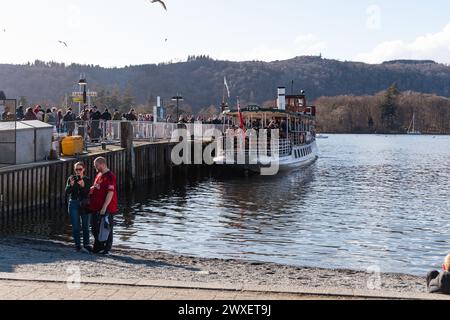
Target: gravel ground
[(44, 257)]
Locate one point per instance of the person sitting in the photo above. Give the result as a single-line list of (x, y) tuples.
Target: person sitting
[(439, 282)]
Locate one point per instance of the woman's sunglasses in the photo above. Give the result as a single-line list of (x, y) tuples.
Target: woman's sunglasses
[(79, 169)]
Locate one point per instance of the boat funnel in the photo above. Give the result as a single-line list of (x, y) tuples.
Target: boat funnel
[(281, 101)]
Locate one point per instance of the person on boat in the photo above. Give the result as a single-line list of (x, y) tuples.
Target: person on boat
[(283, 130), (439, 282), (77, 189), (273, 125), (231, 132)]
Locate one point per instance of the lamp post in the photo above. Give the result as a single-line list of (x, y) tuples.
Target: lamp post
[(178, 98), (83, 84)]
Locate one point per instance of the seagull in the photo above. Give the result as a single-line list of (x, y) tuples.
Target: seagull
[(62, 42), (161, 2)]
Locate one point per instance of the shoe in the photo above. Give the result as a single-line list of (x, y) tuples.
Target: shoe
[(104, 253), (84, 250), (88, 249), (78, 248)]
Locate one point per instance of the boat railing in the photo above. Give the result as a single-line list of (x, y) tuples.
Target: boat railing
[(300, 138), (246, 146)]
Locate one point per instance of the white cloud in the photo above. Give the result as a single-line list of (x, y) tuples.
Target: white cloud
[(307, 44), (431, 46)]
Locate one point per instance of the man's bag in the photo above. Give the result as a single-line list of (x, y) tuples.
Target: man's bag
[(105, 228)]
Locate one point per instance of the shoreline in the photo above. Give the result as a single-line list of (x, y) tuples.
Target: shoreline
[(44, 258)]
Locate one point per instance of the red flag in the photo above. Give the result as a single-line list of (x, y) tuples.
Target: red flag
[(241, 116)]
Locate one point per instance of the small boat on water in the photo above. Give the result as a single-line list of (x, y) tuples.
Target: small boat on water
[(412, 128), (321, 136), (295, 145)]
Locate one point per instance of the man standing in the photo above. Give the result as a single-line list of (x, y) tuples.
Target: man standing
[(103, 206), (69, 122), (95, 124)]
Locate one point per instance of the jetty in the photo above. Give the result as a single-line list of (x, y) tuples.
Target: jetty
[(136, 160)]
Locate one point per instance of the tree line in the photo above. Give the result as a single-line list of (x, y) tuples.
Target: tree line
[(389, 111)]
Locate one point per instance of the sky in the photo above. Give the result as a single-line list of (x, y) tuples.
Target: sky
[(114, 33)]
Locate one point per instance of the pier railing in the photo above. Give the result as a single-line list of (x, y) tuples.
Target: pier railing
[(110, 131)]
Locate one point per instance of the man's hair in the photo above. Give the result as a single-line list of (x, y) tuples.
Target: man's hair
[(100, 160)]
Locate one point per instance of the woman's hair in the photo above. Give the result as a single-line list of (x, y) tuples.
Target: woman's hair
[(81, 164)]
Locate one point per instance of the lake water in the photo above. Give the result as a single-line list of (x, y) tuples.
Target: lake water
[(370, 200)]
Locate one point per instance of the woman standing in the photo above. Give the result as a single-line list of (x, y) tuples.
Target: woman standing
[(77, 189)]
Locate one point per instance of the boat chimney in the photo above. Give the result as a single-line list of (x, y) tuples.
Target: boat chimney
[(281, 101)]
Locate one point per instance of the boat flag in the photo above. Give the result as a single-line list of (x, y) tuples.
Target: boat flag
[(226, 86), (241, 116)]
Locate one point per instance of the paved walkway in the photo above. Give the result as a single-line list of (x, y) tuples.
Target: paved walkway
[(35, 290), (34, 287)]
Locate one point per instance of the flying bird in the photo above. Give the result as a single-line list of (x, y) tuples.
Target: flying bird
[(161, 2), (62, 42)]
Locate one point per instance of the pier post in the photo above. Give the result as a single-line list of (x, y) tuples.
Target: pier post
[(126, 129)]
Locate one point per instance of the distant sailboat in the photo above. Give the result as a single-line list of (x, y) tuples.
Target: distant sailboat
[(412, 128)]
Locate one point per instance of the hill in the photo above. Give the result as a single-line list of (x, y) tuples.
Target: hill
[(200, 80)]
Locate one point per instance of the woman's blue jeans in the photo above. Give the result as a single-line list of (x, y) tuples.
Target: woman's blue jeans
[(80, 220)]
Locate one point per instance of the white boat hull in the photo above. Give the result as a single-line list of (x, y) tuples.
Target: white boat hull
[(301, 156)]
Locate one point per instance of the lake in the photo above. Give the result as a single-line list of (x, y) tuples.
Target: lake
[(370, 200)]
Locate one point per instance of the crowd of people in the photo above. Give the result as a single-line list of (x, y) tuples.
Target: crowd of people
[(59, 116)]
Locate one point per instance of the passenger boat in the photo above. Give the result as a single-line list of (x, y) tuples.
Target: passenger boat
[(294, 148)]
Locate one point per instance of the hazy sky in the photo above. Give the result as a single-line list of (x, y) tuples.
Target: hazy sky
[(118, 33)]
